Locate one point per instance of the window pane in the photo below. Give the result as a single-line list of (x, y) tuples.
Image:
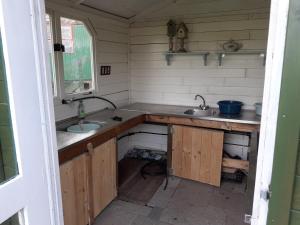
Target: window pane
[(14, 220), (78, 56), (8, 162), (51, 52)]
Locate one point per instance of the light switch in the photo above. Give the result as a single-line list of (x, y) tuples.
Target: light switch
[(105, 70)]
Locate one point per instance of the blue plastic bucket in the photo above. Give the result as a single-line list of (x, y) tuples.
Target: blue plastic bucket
[(229, 107)]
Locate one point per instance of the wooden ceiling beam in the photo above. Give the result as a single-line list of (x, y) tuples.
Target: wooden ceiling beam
[(149, 10)]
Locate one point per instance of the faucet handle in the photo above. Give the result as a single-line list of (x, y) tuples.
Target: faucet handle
[(204, 107)]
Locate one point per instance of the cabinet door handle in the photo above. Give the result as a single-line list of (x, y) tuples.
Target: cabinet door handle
[(90, 148)]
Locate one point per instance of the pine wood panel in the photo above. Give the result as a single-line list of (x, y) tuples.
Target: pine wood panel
[(74, 186), (197, 154), (236, 164), (104, 175), (196, 122)]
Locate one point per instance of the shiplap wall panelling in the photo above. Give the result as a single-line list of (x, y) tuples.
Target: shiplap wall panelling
[(239, 77), (112, 37)]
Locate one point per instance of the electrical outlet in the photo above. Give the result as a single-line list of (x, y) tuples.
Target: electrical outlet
[(105, 70)]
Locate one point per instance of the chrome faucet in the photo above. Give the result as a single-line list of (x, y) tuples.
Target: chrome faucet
[(203, 106)]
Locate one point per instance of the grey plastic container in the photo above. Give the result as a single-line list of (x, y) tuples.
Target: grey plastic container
[(258, 107)]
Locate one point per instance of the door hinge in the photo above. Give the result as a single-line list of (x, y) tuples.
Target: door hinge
[(266, 194)]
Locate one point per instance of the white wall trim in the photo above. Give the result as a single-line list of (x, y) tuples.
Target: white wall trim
[(48, 119), (274, 65)]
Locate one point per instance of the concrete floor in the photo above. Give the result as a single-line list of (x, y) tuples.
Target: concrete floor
[(183, 203)]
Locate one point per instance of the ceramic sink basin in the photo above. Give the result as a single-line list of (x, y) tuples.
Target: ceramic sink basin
[(84, 127), (198, 112)]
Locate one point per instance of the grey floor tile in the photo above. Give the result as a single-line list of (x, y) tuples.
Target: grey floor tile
[(132, 208), (231, 202), (234, 187), (235, 220), (143, 220), (163, 223), (112, 217), (161, 197), (174, 216), (155, 214), (183, 203)]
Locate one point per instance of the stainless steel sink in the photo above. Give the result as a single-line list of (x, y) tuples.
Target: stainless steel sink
[(198, 112)]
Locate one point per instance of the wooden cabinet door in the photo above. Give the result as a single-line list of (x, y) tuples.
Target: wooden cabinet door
[(197, 154), (74, 186), (104, 175)]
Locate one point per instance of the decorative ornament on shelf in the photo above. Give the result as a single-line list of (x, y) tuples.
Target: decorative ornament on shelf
[(182, 33), (232, 46), (171, 34)]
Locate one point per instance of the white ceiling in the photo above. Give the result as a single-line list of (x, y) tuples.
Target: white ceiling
[(143, 9), (123, 8)]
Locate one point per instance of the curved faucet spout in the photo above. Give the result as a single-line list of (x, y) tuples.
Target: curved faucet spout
[(203, 106)]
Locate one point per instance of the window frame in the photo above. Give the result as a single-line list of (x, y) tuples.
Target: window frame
[(56, 97), (58, 56)]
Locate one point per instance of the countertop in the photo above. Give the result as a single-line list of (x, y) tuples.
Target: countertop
[(246, 116), (65, 139)]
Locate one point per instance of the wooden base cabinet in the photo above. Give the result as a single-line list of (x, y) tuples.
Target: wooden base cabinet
[(197, 154), (104, 175), (89, 183), (74, 187)]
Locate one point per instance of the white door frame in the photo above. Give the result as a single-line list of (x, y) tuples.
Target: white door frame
[(49, 166), (273, 75), (36, 189)]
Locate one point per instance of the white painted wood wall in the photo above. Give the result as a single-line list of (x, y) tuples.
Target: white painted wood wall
[(239, 78), (111, 49)]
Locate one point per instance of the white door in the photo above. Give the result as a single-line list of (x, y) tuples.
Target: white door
[(274, 65), (27, 157)]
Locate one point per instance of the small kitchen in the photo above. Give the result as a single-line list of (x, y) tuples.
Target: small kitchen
[(157, 108)]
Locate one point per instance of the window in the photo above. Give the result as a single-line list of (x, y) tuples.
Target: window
[(77, 57), (76, 72)]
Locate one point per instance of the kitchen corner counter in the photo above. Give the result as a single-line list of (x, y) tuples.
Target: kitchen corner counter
[(71, 145)]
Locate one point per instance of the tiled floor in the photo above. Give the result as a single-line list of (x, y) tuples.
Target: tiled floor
[(183, 203)]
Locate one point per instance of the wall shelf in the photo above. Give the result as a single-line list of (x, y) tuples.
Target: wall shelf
[(170, 55), (220, 54), (261, 53)]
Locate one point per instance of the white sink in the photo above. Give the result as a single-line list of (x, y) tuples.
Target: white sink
[(84, 127)]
